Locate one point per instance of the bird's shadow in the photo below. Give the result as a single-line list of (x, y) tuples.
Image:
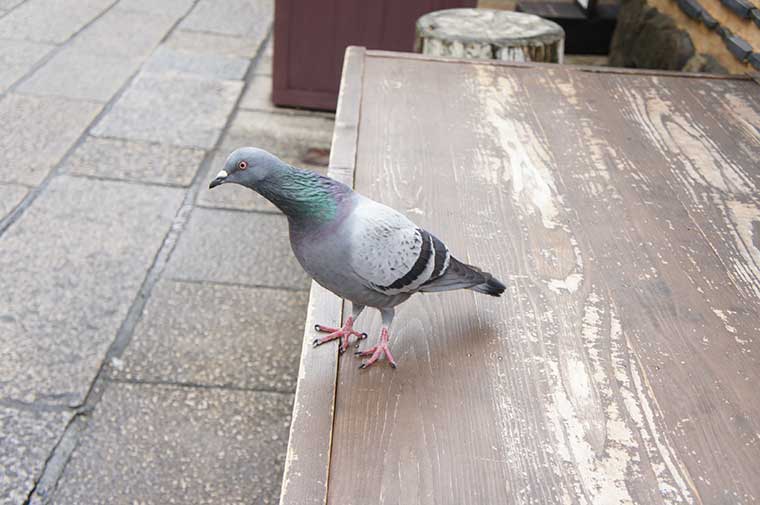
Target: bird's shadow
[(423, 335)]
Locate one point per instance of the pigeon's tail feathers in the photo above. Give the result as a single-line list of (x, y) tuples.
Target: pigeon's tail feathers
[(460, 275), (492, 287)]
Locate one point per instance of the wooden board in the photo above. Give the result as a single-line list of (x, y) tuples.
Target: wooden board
[(307, 463), (621, 365)]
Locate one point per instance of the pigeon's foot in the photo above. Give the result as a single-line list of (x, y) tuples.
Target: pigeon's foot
[(375, 352), (342, 333)]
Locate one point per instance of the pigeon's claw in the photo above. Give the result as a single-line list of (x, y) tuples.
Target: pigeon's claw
[(334, 333), (375, 352), (326, 329)]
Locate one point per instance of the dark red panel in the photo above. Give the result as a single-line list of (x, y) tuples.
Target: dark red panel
[(312, 35)]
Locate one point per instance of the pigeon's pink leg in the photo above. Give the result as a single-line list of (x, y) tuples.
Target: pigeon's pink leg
[(343, 333), (377, 351)]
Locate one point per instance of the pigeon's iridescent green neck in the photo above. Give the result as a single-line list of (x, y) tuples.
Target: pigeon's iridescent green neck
[(302, 195)]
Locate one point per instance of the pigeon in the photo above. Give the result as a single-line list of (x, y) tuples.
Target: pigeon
[(361, 250)]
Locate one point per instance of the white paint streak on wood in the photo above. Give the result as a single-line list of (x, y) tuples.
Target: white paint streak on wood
[(527, 159), (675, 468), (567, 90), (595, 440), (724, 317), (747, 118), (601, 154), (677, 135), (601, 477), (592, 334), (570, 284), (603, 472), (745, 219), (710, 177), (572, 281), (671, 485)]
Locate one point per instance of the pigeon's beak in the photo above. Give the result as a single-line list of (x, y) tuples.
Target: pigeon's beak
[(220, 178)]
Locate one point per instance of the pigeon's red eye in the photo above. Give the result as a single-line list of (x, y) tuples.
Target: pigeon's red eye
[(243, 165)]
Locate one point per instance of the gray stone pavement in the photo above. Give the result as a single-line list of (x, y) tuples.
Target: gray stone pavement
[(150, 330)]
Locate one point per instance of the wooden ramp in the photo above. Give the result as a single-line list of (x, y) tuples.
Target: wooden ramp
[(622, 210)]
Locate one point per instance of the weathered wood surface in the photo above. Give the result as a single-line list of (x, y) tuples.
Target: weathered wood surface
[(307, 461), (621, 365), (490, 34)]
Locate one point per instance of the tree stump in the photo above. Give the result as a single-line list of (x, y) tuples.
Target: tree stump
[(490, 34)]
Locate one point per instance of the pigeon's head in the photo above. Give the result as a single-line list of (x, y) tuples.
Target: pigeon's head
[(247, 166)]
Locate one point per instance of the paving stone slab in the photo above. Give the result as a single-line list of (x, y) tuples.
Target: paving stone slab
[(26, 440), (258, 96), (10, 196), (35, 133), (166, 59), (232, 17), (75, 73), (289, 136), (213, 43), (237, 247), (175, 8), (163, 444), (173, 109), (264, 65), (217, 335), (32, 20), (9, 4), (102, 57), (17, 57), (72, 265), (124, 33), (135, 161)]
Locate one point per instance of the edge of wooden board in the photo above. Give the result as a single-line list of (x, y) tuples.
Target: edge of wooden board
[(307, 463), (575, 68)]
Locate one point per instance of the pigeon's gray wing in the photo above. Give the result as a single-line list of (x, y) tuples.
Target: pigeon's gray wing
[(393, 256), (390, 254)]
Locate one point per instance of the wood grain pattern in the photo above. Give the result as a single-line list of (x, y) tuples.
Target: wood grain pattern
[(621, 365), (308, 458), (577, 68)]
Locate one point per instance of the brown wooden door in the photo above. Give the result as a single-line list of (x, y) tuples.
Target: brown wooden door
[(311, 36)]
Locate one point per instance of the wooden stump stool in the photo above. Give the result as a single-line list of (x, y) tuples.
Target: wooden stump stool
[(490, 34)]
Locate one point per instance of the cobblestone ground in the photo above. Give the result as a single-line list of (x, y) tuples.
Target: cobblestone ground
[(149, 329)]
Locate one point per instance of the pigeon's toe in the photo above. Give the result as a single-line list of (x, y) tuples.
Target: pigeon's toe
[(338, 333), (374, 353)]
